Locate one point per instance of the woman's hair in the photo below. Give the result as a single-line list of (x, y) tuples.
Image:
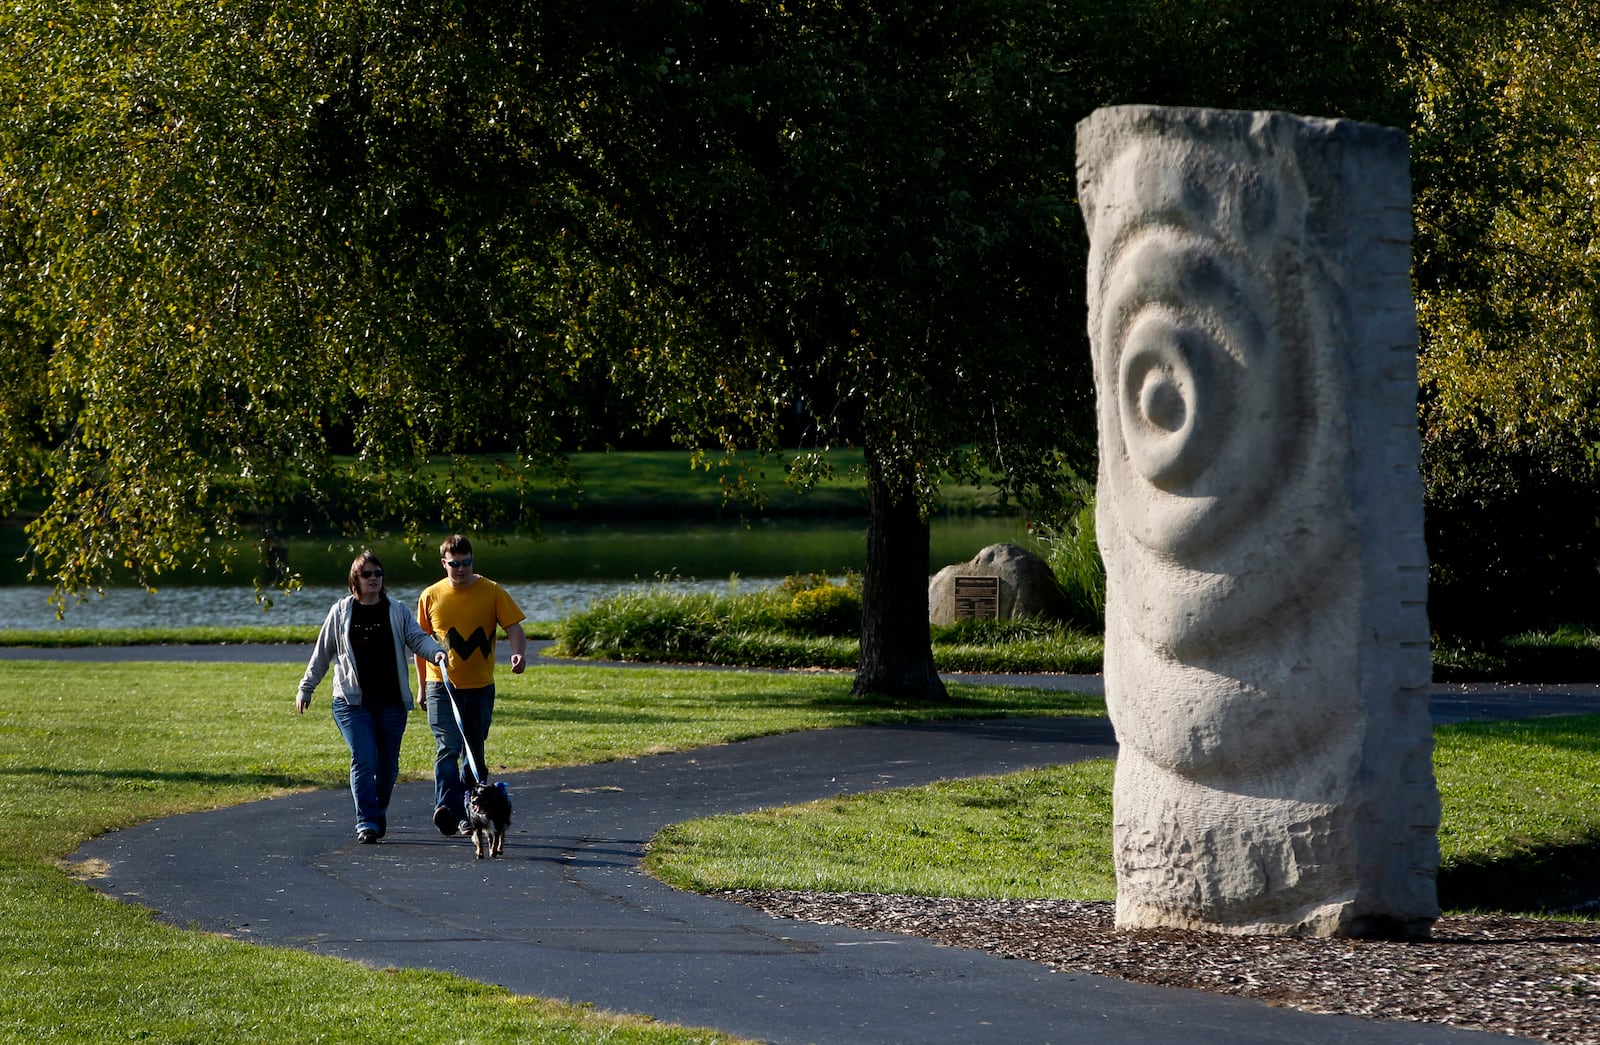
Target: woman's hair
[(364, 560)]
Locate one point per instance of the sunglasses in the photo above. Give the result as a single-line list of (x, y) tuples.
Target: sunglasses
[(371, 573), (461, 565)]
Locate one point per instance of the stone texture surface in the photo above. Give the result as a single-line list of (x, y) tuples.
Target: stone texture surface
[(1027, 586), (1260, 517)]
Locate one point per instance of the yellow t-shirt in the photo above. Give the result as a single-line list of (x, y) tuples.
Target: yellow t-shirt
[(465, 621)]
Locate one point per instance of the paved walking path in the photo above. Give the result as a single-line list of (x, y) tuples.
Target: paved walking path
[(567, 913)]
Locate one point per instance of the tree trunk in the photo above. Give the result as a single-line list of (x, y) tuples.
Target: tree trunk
[(896, 651)]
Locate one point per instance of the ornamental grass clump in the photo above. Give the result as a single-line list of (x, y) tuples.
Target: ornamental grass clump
[(648, 624), (663, 623), (1024, 645), (1074, 557), (807, 621)]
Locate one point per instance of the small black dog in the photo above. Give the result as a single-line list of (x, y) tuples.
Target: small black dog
[(488, 816)]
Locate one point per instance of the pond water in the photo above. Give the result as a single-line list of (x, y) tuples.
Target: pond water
[(201, 605), (550, 577)]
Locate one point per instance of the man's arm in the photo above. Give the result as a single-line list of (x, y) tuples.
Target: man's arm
[(519, 647)]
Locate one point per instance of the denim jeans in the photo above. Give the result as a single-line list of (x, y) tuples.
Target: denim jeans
[(373, 734), (450, 778)]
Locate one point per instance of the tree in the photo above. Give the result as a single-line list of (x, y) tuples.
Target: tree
[(869, 210), (877, 209), (1507, 161), (238, 232), (342, 218), (228, 230)]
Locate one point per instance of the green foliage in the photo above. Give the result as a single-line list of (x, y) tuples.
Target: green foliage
[(238, 237), (666, 624), (1013, 646), (1507, 287), (1067, 536), (808, 621), (661, 624), (1506, 166), (1566, 655), (229, 244), (258, 260), (224, 636), (823, 608)]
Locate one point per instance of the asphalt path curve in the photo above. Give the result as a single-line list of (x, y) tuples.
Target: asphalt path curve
[(567, 912)]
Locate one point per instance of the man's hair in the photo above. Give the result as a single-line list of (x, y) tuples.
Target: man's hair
[(455, 544)]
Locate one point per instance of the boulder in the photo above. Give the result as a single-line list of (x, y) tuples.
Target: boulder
[(1027, 586)]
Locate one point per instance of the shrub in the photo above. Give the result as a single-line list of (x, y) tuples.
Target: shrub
[(796, 583), (832, 609), (808, 621)]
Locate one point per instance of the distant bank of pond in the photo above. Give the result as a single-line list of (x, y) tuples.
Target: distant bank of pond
[(550, 577)]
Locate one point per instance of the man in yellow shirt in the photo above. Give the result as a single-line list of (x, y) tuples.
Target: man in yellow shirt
[(463, 612)]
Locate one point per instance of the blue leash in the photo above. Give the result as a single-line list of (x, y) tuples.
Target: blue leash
[(466, 745)]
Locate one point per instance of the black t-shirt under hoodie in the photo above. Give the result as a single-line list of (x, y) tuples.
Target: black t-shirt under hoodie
[(372, 644)]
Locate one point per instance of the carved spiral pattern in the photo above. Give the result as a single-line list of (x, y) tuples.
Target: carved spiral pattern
[(1240, 597), (1215, 413), (1222, 514), (1193, 377)]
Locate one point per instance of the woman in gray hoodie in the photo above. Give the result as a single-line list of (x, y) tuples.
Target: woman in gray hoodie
[(369, 639)]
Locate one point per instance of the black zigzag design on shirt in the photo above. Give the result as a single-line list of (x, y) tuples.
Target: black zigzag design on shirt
[(463, 648)]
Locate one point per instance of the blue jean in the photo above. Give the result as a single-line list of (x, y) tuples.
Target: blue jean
[(450, 778), (373, 734)]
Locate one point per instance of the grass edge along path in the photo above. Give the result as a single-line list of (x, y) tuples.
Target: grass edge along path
[(1520, 831), (89, 748)]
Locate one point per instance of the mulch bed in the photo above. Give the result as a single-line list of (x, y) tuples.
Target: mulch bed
[(1533, 978)]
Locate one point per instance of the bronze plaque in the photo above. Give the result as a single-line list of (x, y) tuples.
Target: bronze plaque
[(977, 598)]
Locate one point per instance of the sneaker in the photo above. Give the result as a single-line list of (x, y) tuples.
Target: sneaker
[(383, 826), (444, 821), (366, 836), (464, 828)]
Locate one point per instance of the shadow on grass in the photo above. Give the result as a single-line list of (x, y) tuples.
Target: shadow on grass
[(958, 707), (153, 777), (1562, 879)]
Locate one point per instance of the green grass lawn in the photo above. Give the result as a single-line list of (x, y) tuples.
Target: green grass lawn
[(1520, 830), (89, 748), (625, 483), (1038, 833)]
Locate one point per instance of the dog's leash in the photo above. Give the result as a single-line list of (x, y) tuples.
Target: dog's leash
[(466, 745)]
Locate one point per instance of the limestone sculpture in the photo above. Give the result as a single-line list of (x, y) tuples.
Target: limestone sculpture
[(1260, 516)]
